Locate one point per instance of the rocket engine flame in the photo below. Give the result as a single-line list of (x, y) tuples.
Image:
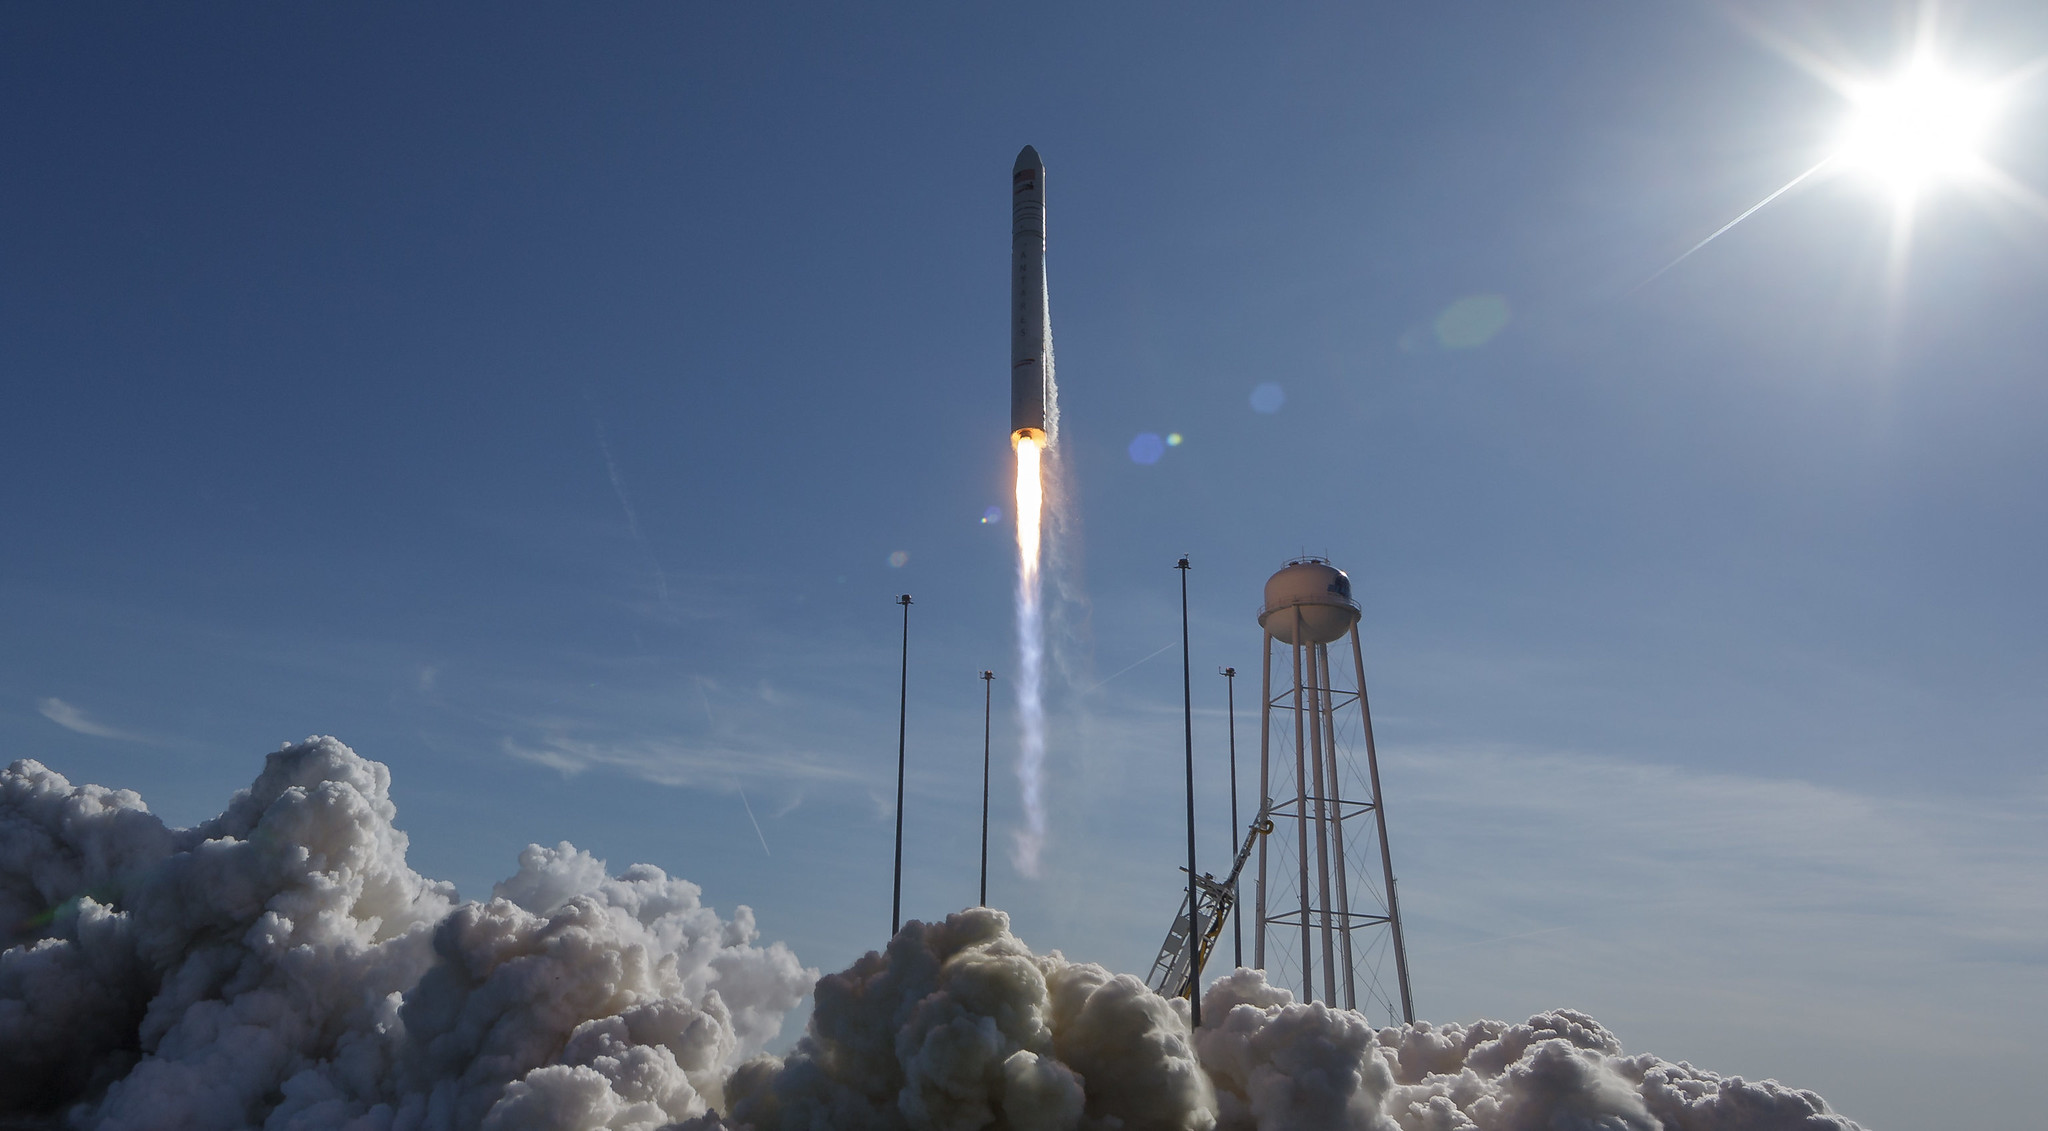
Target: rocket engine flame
[(1030, 655), (1030, 505)]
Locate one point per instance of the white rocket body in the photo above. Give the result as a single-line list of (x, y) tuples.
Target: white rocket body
[(1034, 399)]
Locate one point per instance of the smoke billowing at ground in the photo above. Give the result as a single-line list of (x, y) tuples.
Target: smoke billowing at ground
[(959, 1025), (281, 966)]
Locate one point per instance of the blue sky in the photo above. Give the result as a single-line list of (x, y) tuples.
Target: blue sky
[(534, 398)]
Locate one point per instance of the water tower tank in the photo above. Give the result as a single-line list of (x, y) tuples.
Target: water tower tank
[(1323, 594)]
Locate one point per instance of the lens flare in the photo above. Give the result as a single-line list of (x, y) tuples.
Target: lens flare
[(1030, 656)]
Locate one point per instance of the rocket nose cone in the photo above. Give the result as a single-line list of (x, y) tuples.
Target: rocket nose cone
[(1027, 160)]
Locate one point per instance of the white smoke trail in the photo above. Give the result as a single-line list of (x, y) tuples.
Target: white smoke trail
[(1030, 658), (1031, 470)]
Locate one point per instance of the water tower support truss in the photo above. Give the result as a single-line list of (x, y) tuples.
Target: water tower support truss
[(1327, 915)]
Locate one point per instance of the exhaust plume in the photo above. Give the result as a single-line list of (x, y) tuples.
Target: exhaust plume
[(1030, 656)]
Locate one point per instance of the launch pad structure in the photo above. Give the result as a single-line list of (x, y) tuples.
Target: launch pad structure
[(1191, 941), (1325, 904)]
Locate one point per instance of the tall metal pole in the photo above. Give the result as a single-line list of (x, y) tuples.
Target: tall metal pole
[(1237, 915), (902, 719), (1187, 711), (987, 697)]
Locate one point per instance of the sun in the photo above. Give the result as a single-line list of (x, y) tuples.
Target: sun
[(1922, 126), (1927, 124)]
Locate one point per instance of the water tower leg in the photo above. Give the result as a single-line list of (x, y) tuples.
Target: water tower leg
[(1379, 809), (1314, 708), (1329, 754), (1308, 966)]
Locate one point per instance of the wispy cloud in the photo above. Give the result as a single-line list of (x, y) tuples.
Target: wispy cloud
[(74, 718), (1763, 880), (678, 763)]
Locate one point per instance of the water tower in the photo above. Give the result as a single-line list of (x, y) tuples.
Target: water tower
[(1328, 918)]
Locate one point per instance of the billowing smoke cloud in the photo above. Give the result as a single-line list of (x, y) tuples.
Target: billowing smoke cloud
[(958, 1026), (281, 967)]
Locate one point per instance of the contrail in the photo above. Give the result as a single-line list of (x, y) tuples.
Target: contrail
[(1127, 667), (756, 824), (611, 467), (705, 699), (1788, 186)]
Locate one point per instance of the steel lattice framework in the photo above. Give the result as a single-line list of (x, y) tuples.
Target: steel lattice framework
[(1325, 902)]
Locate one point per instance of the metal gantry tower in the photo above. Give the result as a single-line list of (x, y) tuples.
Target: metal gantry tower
[(1328, 917), (1191, 941)]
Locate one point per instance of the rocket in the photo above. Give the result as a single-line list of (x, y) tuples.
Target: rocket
[(1034, 399)]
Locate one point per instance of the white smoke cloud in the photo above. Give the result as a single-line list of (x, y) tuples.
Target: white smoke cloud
[(280, 966), (959, 1025)]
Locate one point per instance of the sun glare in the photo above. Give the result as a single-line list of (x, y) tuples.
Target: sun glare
[(1927, 125), (1924, 125)]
